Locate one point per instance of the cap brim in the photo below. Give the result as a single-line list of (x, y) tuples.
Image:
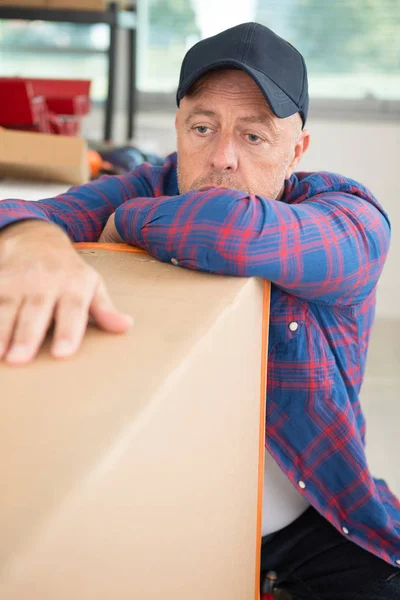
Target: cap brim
[(281, 104)]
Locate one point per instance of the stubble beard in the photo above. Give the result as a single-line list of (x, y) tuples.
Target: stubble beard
[(215, 179)]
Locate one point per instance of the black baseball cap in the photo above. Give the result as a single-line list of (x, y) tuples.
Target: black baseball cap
[(275, 65)]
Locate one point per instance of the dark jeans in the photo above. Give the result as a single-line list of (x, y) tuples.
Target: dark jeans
[(313, 561)]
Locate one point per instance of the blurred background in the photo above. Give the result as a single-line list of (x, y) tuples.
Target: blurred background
[(352, 47)]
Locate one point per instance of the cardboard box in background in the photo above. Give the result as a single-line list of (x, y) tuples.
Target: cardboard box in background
[(25, 3), (134, 470), (45, 157), (73, 4), (78, 4)]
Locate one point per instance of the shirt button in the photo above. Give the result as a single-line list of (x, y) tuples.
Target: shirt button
[(293, 326), (345, 530), (174, 261), (302, 485)]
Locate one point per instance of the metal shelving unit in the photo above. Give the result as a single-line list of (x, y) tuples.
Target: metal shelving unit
[(116, 19)]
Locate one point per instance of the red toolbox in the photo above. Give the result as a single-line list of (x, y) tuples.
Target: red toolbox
[(64, 96), (45, 105)]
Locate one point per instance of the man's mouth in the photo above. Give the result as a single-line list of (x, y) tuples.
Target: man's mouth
[(203, 188)]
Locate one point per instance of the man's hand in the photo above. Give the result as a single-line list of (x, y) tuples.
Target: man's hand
[(110, 234), (43, 278)]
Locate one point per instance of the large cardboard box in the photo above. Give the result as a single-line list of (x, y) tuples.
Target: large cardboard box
[(42, 156), (134, 470)]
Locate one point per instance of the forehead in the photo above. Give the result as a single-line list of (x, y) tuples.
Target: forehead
[(217, 90)]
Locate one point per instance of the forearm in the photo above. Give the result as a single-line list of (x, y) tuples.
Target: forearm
[(82, 212), (13, 212), (11, 235), (330, 248)]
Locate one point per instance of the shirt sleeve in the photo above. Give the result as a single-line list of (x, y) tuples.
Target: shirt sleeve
[(83, 210), (330, 247)]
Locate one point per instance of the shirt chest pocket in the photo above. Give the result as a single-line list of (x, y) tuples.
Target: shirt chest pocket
[(287, 320), (287, 341), (298, 358)]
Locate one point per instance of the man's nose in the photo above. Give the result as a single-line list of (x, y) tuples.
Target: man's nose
[(224, 155)]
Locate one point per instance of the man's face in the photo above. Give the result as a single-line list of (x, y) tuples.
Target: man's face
[(227, 136)]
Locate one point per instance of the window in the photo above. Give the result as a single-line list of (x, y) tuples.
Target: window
[(351, 47)]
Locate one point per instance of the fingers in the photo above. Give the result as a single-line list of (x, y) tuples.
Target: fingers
[(71, 317), (31, 324), (42, 277), (8, 314), (105, 314), (24, 323)]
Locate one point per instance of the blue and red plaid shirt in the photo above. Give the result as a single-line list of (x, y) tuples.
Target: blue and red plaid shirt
[(323, 247)]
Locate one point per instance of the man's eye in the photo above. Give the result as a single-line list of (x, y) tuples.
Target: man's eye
[(202, 129), (253, 138)]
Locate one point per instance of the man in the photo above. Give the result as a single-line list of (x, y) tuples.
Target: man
[(229, 202)]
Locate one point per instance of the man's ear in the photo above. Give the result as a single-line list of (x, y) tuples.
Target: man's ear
[(176, 119), (299, 149)]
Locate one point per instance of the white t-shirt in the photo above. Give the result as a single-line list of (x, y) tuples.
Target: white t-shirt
[(282, 503)]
